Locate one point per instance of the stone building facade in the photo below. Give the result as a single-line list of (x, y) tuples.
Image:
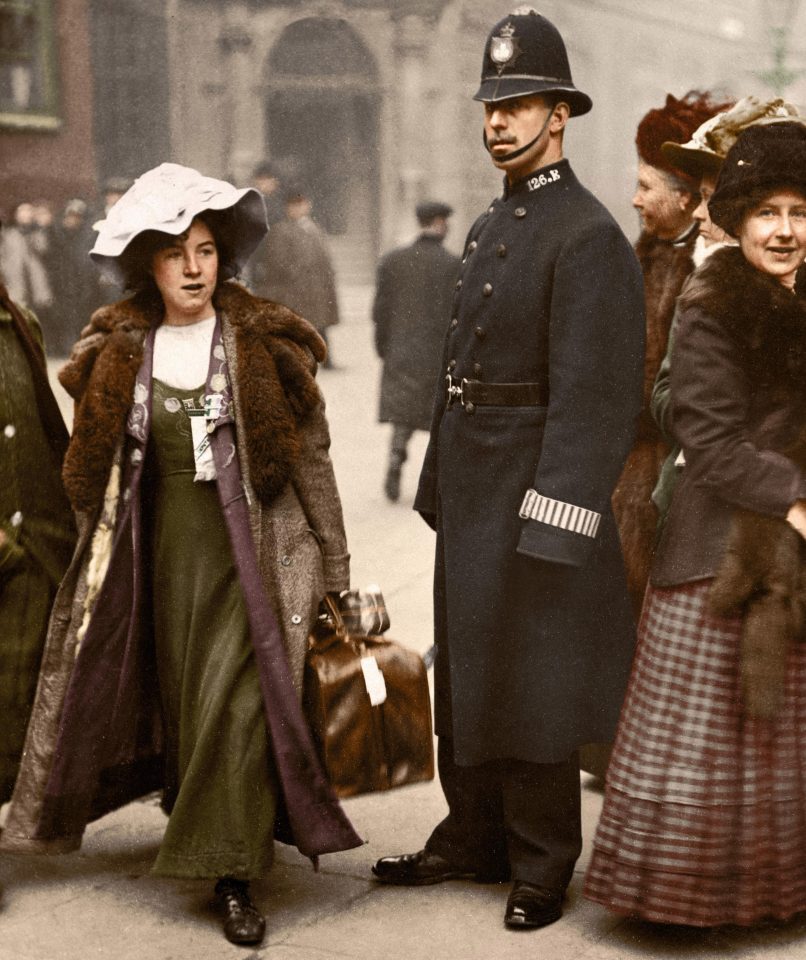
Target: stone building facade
[(368, 102)]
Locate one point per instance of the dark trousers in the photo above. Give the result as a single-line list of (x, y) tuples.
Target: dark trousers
[(401, 434), (511, 815)]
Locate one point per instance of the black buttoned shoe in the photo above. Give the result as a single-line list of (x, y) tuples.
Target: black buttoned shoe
[(425, 867), (243, 922), (529, 906)]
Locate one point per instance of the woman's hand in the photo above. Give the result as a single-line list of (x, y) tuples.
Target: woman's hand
[(797, 517)]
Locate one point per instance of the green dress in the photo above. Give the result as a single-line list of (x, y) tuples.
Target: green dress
[(221, 787)]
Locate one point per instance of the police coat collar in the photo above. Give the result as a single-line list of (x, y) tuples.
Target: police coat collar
[(538, 180)]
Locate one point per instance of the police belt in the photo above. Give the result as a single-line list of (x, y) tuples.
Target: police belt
[(477, 392)]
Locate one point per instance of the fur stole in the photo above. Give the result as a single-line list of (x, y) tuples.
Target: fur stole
[(665, 266), (762, 575), (275, 353)]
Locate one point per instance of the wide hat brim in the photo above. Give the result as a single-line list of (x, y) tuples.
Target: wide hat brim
[(167, 199), (692, 161), (494, 89)]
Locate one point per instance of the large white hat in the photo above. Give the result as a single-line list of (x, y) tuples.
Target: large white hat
[(167, 199)]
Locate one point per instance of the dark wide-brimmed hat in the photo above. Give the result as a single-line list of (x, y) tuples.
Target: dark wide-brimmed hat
[(524, 55), (764, 157), (710, 142), (167, 199)]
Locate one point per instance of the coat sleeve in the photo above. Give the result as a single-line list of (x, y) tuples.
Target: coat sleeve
[(596, 353), (660, 401), (315, 484), (710, 406)]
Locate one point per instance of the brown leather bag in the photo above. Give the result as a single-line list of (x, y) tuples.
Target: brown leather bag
[(366, 748)]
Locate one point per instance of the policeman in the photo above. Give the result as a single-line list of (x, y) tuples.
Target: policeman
[(536, 415)]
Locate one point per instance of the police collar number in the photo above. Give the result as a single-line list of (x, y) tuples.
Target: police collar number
[(543, 179)]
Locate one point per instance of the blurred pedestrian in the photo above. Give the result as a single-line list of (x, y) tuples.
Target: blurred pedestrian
[(702, 822), (297, 270), (36, 524), (113, 188), (74, 276), (413, 294), (177, 643), (21, 254), (266, 179), (542, 371)]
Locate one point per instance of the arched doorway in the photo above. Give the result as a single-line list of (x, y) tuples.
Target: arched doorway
[(322, 126)]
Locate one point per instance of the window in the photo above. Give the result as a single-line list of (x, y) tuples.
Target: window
[(27, 64)]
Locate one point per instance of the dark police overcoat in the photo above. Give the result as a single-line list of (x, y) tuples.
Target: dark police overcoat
[(413, 297), (533, 623)]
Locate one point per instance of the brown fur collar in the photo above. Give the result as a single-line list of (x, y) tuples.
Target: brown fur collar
[(275, 349), (758, 311)]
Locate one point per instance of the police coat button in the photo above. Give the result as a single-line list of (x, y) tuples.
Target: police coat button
[(286, 561), (472, 246), (490, 208), (477, 369), (454, 323), (10, 431), (520, 211), (459, 284), (451, 364), (16, 519), (480, 333), (501, 250), (470, 407), (487, 289), (296, 619)]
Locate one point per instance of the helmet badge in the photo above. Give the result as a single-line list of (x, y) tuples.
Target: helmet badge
[(504, 48)]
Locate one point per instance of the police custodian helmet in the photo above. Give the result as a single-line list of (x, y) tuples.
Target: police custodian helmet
[(524, 55)]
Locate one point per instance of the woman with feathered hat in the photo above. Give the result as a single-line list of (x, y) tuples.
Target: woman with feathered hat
[(210, 528), (703, 821)]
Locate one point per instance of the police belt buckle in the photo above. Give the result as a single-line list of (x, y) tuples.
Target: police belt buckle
[(455, 392)]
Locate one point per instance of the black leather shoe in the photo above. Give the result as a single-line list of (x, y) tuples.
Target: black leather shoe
[(243, 922), (529, 906), (424, 867)]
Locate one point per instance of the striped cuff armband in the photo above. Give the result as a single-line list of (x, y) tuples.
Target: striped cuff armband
[(558, 514)]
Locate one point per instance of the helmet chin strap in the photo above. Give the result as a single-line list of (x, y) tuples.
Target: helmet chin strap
[(503, 158)]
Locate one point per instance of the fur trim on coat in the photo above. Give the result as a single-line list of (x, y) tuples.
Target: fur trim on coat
[(665, 267), (275, 353), (761, 577)]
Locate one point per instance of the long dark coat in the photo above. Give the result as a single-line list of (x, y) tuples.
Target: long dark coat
[(533, 622), (36, 520), (296, 270), (413, 295), (95, 741)]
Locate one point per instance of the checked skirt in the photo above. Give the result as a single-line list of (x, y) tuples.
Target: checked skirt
[(704, 816)]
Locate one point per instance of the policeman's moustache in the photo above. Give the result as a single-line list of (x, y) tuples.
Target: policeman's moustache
[(521, 150)]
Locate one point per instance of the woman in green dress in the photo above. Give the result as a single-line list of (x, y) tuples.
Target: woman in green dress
[(200, 473)]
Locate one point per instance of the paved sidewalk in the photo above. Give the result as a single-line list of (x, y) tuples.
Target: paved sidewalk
[(102, 902)]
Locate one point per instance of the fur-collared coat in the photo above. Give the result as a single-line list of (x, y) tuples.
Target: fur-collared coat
[(665, 267), (294, 529), (738, 410)]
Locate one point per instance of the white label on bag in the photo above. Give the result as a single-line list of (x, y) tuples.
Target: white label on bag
[(373, 678)]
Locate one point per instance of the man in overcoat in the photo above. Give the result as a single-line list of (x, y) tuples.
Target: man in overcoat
[(413, 296), (531, 428)]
